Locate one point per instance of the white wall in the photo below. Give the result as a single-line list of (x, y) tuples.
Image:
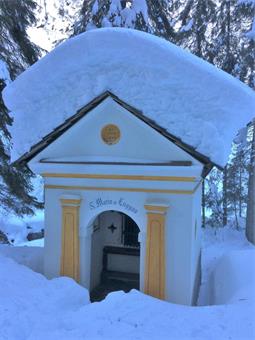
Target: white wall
[(195, 240), (138, 140), (178, 248), (52, 236), (179, 231), (138, 143)]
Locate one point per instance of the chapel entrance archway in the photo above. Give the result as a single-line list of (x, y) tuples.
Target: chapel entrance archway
[(115, 254)]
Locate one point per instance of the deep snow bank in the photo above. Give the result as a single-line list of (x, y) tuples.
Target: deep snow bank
[(189, 97), (17, 228), (31, 257), (34, 308), (228, 266), (234, 277), (31, 304)]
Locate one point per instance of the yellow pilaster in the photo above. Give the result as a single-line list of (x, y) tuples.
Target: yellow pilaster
[(70, 257), (154, 283)]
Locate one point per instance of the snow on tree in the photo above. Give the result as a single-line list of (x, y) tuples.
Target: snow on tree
[(250, 219), (16, 54), (237, 184), (230, 43), (113, 13), (15, 185), (246, 67), (16, 49), (55, 21), (214, 198), (196, 19), (144, 15)]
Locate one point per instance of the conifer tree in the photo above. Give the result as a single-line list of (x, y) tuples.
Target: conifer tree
[(15, 185), (162, 18), (195, 19), (225, 196), (16, 48), (151, 16), (112, 13), (237, 179), (18, 53), (224, 38), (250, 219), (214, 198), (246, 68), (233, 51), (247, 74)]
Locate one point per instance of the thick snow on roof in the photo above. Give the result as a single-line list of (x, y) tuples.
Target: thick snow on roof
[(192, 99)]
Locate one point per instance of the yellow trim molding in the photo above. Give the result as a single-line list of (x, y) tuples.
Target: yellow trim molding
[(69, 201), (78, 187), (122, 177), (154, 283), (70, 254), (156, 208)]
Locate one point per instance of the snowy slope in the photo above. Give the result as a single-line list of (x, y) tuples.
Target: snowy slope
[(189, 97)]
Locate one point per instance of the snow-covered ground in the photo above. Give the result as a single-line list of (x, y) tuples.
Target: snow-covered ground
[(31, 257), (33, 307), (222, 249), (17, 228)]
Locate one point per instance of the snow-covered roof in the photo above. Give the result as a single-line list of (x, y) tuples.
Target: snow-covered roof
[(190, 98)]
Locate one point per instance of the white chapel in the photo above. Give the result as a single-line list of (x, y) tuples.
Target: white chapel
[(125, 128)]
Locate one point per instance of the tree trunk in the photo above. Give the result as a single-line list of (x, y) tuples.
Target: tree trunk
[(240, 192), (250, 217), (203, 204), (225, 201)]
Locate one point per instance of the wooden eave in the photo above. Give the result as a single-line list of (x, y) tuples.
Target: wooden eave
[(58, 131)]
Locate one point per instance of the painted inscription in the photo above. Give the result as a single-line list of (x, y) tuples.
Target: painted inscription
[(99, 203)]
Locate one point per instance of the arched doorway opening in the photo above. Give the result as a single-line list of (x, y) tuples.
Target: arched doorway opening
[(115, 254)]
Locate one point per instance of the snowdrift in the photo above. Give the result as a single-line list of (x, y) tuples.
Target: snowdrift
[(31, 257), (233, 279), (33, 307), (189, 97)]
